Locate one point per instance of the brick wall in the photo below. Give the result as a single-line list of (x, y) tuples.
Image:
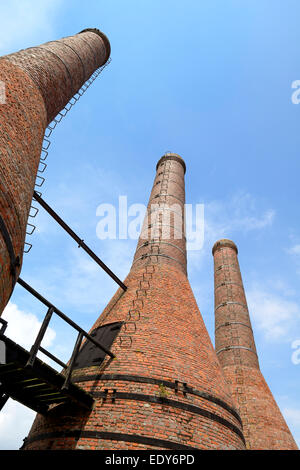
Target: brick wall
[(163, 345), (39, 82), (263, 424)]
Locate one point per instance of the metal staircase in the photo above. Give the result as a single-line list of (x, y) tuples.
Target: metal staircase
[(27, 379)]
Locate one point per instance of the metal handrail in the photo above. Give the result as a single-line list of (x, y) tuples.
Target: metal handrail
[(4, 325), (37, 344)]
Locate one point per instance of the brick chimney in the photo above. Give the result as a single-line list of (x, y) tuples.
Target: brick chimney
[(38, 82), (263, 424), (165, 389)]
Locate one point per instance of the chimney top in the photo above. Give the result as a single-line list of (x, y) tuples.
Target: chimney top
[(171, 156), (224, 242), (102, 36)]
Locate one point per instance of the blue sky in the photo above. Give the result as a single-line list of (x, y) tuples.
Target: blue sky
[(208, 80)]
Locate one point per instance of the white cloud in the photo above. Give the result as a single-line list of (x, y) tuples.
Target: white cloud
[(16, 419), (224, 219), (15, 423), (240, 213), (282, 286), (23, 327), (295, 250), (23, 21), (80, 283), (292, 416), (272, 313)]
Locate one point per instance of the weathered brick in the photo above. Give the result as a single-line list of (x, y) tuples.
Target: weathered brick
[(170, 344), (39, 82), (263, 424)]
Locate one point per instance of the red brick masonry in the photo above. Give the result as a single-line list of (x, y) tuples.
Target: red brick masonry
[(39, 82), (166, 389), (263, 424)]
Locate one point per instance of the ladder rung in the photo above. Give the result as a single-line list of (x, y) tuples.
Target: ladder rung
[(36, 387), (48, 394), (39, 390), (5, 372), (42, 384), (63, 399), (34, 379)]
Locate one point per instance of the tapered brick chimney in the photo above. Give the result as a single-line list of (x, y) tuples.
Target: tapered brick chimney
[(165, 389), (263, 424), (38, 83)]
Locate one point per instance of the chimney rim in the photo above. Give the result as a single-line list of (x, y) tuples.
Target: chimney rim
[(224, 243), (172, 156), (103, 37)]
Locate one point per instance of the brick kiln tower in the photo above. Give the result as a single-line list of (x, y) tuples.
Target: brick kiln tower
[(39, 82), (263, 424), (165, 389)]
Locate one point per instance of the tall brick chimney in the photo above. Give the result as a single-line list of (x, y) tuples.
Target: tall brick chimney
[(263, 424), (39, 82), (165, 389)]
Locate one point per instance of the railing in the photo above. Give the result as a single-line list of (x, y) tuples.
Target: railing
[(4, 326), (37, 344), (75, 237)]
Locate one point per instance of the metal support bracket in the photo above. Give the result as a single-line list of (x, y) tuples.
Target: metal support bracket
[(79, 240), (181, 387), (110, 393)]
